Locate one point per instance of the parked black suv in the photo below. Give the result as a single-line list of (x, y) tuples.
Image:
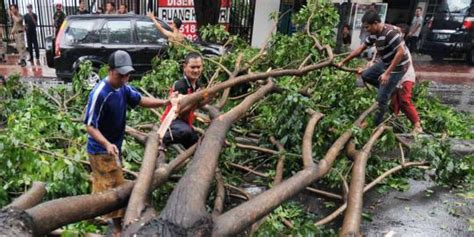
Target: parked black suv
[(95, 37), (451, 32)]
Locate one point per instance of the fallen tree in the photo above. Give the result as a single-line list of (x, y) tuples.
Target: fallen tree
[(255, 127)]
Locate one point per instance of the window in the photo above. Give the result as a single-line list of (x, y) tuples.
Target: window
[(80, 31), (148, 33), (458, 5), (116, 32)]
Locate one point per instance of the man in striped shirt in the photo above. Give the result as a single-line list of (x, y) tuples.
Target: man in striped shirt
[(386, 73), (105, 124)]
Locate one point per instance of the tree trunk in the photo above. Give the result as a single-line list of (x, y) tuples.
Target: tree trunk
[(355, 198), (207, 12), (185, 212), (15, 222), (142, 187), (344, 11), (237, 219), (72, 209), (31, 198)]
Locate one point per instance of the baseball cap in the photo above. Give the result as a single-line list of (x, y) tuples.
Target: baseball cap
[(29, 6), (121, 61)]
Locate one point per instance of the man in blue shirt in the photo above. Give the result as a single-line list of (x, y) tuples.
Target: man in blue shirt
[(105, 124)]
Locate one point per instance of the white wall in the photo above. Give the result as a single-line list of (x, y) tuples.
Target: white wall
[(262, 24)]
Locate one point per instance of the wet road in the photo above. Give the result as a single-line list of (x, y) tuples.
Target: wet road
[(38, 69), (447, 72), (424, 210)]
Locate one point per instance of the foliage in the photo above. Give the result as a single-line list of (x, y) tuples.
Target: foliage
[(215, 33), (449, 169), (301, 220), (30, 120)]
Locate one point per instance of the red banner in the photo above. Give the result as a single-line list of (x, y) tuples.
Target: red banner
[(184, 10)]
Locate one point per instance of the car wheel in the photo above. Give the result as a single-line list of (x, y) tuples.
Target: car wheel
[(437, 58), (470, 57), (93, 78)]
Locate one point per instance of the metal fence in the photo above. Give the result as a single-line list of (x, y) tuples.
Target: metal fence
[(241, 14), (241, 18), (45, 10)]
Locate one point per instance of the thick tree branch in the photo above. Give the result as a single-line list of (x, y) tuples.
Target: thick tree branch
[(72, 209), (220, 195), (142, 188), (372, 184), (32, 197), (280, 163), (352, 218), (138, 135), (241, 217), (186, 205), (206, 93), (308, 138)]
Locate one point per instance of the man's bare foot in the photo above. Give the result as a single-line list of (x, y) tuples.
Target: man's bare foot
[(417, 130)]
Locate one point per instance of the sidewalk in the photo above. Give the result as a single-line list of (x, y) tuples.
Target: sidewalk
[(37, 70), (450, 72)]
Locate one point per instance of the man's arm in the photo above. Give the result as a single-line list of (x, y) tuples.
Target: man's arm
[(97, 135), (14, 28), (396, 60), (352, 55), (148, 102), (165, 32), (418, 25)]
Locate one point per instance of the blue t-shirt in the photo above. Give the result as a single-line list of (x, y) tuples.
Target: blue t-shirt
[(106, 111)]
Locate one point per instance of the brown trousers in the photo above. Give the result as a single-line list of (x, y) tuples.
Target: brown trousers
[(20, 45), (106, 174)]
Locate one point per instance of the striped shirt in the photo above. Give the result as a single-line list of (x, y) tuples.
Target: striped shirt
[(106, 111), (387, 43)]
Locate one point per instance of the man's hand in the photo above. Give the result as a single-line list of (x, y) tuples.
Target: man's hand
[(112, 149), (175, 100), (151, 15), (384, 78), (339, 65)]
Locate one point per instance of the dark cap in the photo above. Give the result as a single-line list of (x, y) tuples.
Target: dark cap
[(29, 6), (121, 61)]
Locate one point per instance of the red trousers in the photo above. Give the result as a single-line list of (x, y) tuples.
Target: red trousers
[(401, 100)]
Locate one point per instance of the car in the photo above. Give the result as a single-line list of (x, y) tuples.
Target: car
[(95, 37), (451, 31)]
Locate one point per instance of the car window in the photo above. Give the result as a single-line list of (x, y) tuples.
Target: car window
[(147, 33), (458, 5), (116, 32), (80, 31)]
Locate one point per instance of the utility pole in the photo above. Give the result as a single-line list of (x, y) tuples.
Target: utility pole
[(344, 10)]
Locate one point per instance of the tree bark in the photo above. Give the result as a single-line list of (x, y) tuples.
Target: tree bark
[(189, 100), (142, 187), (185, 211), (15, 222), (237, 219), (352, 218), (72, 209), (32, 197), (344, 11)]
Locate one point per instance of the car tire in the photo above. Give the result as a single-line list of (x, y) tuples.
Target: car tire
[(93, 78), (437, 58), (470, 57)]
